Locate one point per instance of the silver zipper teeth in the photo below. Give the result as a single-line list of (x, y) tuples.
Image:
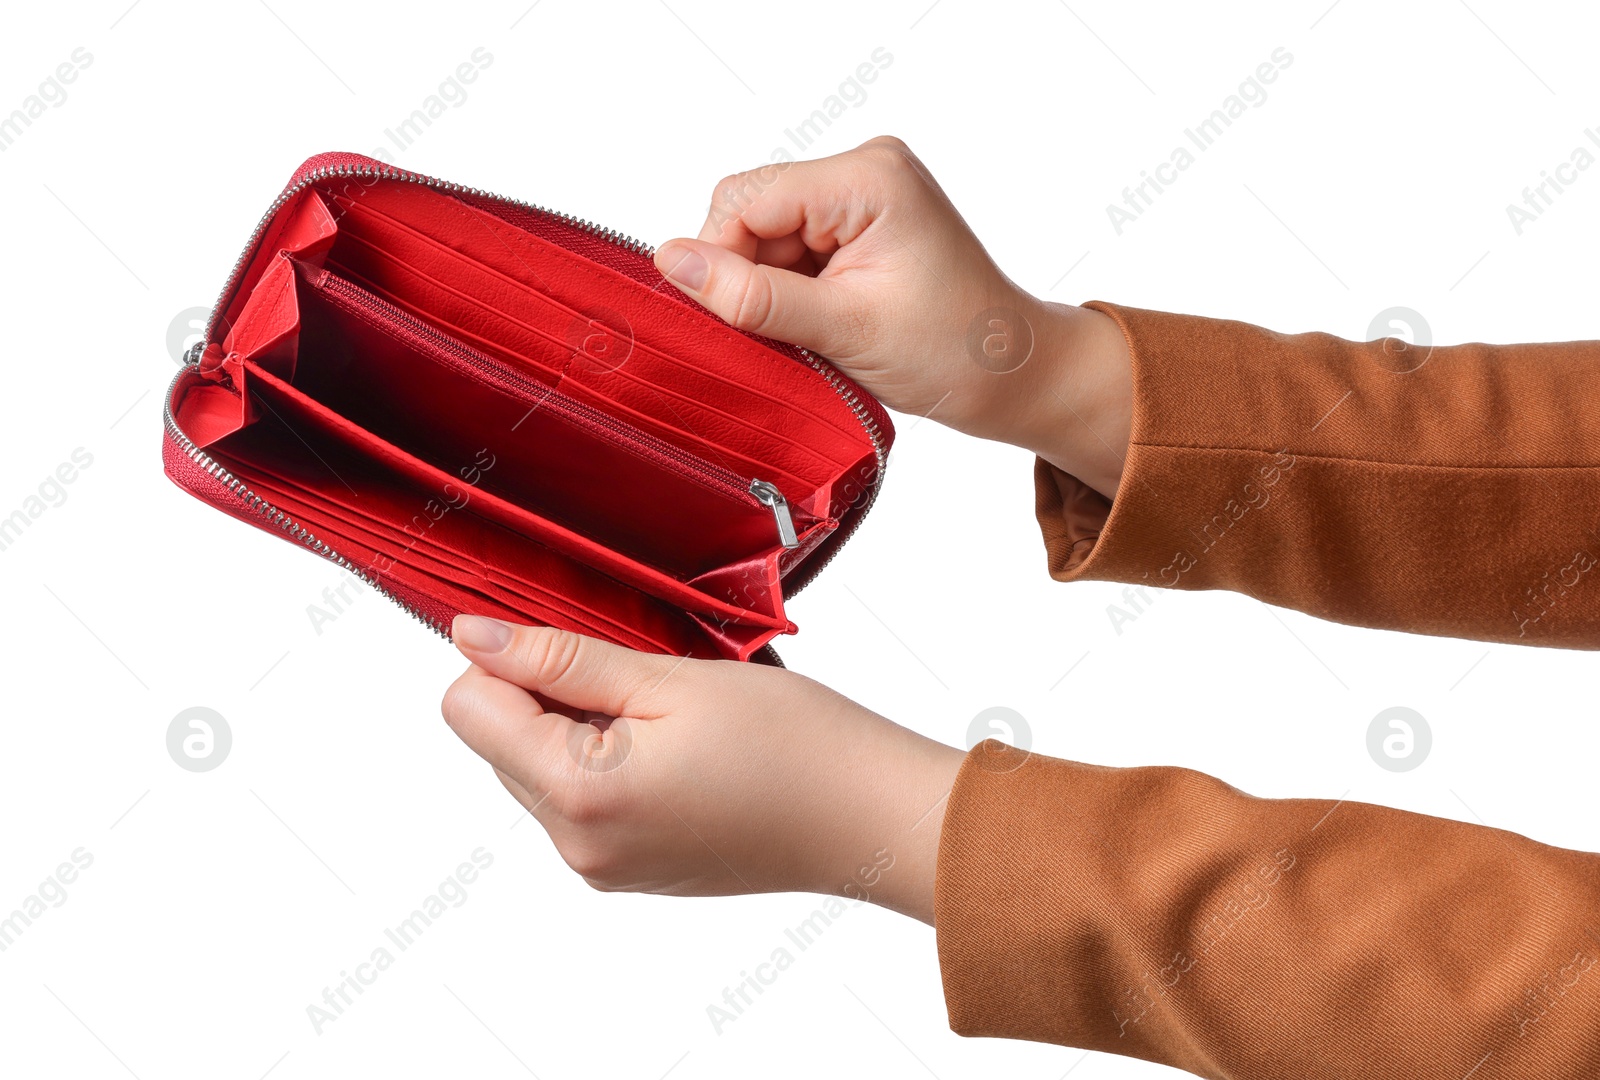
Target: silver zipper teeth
[(611, 236)]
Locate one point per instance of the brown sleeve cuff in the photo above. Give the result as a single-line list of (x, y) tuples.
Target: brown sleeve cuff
[(1160, 913), (1449, 491), (1038, 926)]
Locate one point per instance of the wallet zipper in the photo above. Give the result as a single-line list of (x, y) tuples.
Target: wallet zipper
[(638, 247), (542, 395), (298, 532), (768, 495)]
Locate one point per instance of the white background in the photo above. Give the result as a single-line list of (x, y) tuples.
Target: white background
[(220, 904)]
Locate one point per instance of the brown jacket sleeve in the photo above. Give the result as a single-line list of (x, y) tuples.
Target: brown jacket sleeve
[(1452, 490), (1161, 914)]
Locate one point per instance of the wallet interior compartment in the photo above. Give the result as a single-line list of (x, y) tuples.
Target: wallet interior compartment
[(440, 401), (401, 515), (497, 287), (688, 422), (337, 443)]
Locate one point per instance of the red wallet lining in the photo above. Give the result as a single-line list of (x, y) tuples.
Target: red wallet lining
[(276, 453), (800, 460), (403, 386), (700, 448), (669, 414), (522, 541), (563, 318), (561, 315), (799, 396), (552, 356), (318, 420), (775, 468), (444, 563)]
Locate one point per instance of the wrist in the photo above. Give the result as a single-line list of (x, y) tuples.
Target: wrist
[(1071, 400), (890, 854)]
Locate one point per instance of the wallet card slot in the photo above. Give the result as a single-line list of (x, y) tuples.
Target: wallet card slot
[(317, 425), (417, 540), (688, 424), (676, 387), (676, 433), (287, 449), (547, 370), (533, 315), (406, 382), (555, 320), (443, 563)]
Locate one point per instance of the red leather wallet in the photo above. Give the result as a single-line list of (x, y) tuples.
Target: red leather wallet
[(480, 405)]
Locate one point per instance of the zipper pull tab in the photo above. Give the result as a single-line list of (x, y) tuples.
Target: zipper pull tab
[(768, 495)]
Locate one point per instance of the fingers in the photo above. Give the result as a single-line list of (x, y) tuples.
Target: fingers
[(505, 726), (826, 203), (770, 231), (783, 304), (580, 672), (789, 253)]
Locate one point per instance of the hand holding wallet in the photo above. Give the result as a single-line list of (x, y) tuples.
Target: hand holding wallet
[(479, 405)]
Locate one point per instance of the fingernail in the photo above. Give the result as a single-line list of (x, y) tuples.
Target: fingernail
[(480, 634), (685, 265)]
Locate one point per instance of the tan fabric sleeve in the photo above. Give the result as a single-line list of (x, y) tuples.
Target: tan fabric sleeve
[(1161, 914), (1452, 490)]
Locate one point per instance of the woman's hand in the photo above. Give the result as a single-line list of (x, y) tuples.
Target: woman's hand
[(701, 777), (862, 258)]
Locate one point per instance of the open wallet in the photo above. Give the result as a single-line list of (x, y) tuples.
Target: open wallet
[(480, 405)]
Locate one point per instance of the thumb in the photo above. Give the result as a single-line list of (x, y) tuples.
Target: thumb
[(580, 672), (752, 296)]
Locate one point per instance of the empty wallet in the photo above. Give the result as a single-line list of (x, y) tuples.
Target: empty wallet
[(480, 405)]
